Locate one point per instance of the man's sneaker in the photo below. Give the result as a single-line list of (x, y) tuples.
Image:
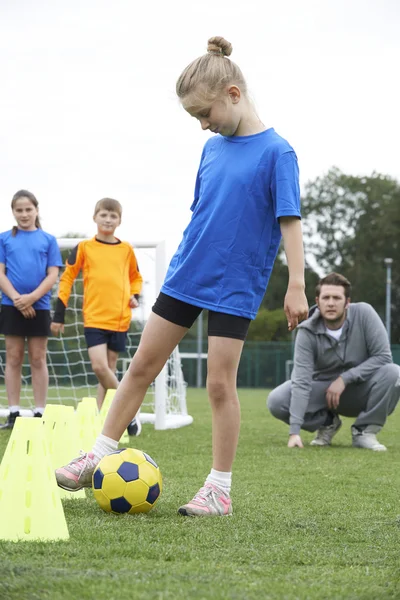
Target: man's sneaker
[(325, 434), (364, 439), (209, 501), (38, 415), (78, 473), (9, 424), (135, 426)]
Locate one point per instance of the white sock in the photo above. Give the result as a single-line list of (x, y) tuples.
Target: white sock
[(38, 409), (104, 445), (14, 408), (222, 479)]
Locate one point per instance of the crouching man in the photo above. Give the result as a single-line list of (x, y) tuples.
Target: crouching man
[(342, 366)]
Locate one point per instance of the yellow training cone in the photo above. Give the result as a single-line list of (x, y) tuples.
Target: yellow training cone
[(88, 424), (109, 397), (104, 411), (62, 440), (30, 505), (92, 402)]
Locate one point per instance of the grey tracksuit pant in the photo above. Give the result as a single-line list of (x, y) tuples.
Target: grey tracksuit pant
[(370, 402)]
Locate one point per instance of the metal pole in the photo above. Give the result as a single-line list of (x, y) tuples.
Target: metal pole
[(199, 381), (388, 262)]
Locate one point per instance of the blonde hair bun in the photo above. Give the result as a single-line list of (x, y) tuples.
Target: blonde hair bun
[(219, 45)]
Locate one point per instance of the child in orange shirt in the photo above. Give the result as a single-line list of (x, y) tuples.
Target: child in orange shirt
[(111, 288)]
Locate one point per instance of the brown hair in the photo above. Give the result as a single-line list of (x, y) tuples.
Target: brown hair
[(334, 279), (209, 74), (108, 204), (32, 199)]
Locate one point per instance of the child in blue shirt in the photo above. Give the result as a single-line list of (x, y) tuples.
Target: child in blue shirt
[(246, 197), (29, 265)]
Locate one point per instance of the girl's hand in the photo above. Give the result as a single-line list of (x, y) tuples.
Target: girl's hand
[(295, 306), (23, 301), (57, 328), (133, 303), (29, 313)]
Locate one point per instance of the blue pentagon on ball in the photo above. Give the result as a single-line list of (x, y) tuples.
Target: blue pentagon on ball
[(150, 460), (98, 479), (128, 471), (120, 505), (153, 494)]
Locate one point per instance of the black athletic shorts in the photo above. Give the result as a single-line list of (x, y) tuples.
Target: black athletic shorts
[(184, 314), (115, 340), (12, 322)]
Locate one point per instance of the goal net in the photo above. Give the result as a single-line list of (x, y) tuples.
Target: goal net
[(70, 374)]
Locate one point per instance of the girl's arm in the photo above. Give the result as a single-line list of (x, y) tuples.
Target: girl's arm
[(7, 288), (296, 305), (5, 284), (26, 300)]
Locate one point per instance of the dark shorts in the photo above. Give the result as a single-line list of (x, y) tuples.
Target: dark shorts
[(114, 340), (12, 322), (184, 314)]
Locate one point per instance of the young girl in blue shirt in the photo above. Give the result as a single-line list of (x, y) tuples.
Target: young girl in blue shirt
[(29, 265), (246, 198)]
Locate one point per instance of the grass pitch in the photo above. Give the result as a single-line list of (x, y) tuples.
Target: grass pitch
[(318, 523)]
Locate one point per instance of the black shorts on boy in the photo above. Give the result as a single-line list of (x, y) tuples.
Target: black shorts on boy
[(13, 322), (114, 340), (184, 314)]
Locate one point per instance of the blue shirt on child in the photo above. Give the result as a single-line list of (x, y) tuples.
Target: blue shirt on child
[(225, 259), (27, 256)]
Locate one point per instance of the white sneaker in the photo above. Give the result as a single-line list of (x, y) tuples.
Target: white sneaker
[(364, 439), (78, 473), (135, 426), (325, 434), (210, 501)]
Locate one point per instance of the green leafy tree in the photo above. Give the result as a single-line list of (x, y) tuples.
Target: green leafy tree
[(351, 225), (269, 326)]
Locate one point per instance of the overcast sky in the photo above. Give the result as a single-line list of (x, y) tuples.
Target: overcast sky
[(88, 108)]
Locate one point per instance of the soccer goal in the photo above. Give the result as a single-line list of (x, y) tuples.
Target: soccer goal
[(71, 376)]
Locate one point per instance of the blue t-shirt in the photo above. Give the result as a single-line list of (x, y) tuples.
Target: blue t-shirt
[(27, 256), (225, 259)]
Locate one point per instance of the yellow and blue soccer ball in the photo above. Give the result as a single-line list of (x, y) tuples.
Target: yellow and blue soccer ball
[(127, 481)]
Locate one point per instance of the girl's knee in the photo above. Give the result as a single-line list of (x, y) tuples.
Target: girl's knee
[(142, 370), (37, 362), (219, 389), (15, 358)]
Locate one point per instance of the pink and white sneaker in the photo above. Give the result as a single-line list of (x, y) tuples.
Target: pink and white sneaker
[(210, 501), (78, 473)]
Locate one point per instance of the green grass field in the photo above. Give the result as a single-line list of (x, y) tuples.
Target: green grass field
[(318, 523)]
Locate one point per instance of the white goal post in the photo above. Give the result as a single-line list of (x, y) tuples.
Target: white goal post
[(71, 376)]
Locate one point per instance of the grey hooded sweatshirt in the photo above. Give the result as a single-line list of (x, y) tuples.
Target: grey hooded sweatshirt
[(362, 349)]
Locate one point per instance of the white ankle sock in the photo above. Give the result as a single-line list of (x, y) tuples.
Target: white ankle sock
[(222, 479), (14, 408), (38, 409), (104, 445)]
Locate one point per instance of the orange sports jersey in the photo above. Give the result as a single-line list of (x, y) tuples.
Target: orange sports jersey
[(110, 277)]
